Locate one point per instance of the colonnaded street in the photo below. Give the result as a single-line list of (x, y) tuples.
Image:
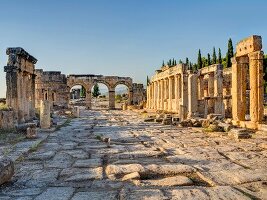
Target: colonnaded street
[(112, 154)]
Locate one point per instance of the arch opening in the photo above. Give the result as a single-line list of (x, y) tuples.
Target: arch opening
[(122, 95), (77, 95), (100, 96)]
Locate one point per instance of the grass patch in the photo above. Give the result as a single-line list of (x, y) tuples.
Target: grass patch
[(10, 136), (4, 107), (35, 147)]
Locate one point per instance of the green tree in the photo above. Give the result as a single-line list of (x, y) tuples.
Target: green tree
[(173, 63), (163, 64), (187, 61), (230, 53), (180, 61), (208, 60), (214, 57), (82, 92), (199, 60), (220, 57), (96, 91)]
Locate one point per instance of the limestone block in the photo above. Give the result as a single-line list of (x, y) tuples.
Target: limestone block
[(6, 119), (45, 119), (248, 45), (134, 175), (31, 133), (76, 111), (240, 133), (6, 170)]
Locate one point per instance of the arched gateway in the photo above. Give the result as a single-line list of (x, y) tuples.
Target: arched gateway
[(89, 80)]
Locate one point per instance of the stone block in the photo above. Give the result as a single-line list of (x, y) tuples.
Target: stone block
[(31, 133), (6, 119), (6, 170), (248, 45), (240, 133)]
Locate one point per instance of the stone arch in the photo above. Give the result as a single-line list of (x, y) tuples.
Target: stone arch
[(87, 91), (130, 88)]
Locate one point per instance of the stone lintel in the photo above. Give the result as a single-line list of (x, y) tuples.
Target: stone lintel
[(11, 68), (248, 45), (21, 52)]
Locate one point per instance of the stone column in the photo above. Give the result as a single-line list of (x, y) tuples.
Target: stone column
[(162, 95), (218, 92), (192, 95), (176, 93), (200, 87), (88, 99), (20, 97), (179, 88), (147, 97), (165, 100), (154, 96), (256, 86), (184, 97), (45, 120), (159, 95), (239, 73), (32, 100), (26, 84), (130, 99), (111, 96), (170, 95), (211, 90)]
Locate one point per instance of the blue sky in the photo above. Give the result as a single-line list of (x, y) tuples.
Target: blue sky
[(123, 37)]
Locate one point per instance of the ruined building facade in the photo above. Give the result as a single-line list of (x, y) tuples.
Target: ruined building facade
[(232, 92), (51, 86)]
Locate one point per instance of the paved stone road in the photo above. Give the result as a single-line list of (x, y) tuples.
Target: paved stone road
[(144, 161)]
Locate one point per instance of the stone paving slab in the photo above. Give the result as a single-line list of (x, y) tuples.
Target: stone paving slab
[(74, 163)]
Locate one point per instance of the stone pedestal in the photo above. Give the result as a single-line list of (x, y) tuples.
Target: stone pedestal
[(45, 119), (76, 111), (31, 133)]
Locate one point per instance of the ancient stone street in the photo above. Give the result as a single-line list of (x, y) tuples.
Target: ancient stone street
[(141, 161)]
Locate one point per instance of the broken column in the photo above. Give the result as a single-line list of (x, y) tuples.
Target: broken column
[(192, 95), (218, 91), (45, 119), (111, 96), (76, 111)]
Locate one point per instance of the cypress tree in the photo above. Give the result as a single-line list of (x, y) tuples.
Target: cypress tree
[(163, 64), (220, 57), (209, 62), (96, 91), (199, 60), (173, 62), (214, 58), (186, 61), (230, 53), (180, 61), (147, 80)]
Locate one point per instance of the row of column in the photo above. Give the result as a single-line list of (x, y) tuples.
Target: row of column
[(20, 93), (169, 94), (239, 82)]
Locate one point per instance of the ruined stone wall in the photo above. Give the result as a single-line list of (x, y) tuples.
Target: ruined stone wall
[(20, 79), (51, 86), (139, 93)]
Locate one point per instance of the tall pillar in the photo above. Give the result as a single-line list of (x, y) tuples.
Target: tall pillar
[(184, 97), (200, 86), (111, 97), (45, 120), (192, 95), (154, 96), (147, 97), (176, 93), (170, 94), (32, 97), (165, 101), (256, 86), (88, 99), (158, 95), (130, 99), (218, 92), (162, 95), (239, 73)]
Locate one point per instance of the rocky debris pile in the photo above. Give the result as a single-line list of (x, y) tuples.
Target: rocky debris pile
[(6, 170)]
